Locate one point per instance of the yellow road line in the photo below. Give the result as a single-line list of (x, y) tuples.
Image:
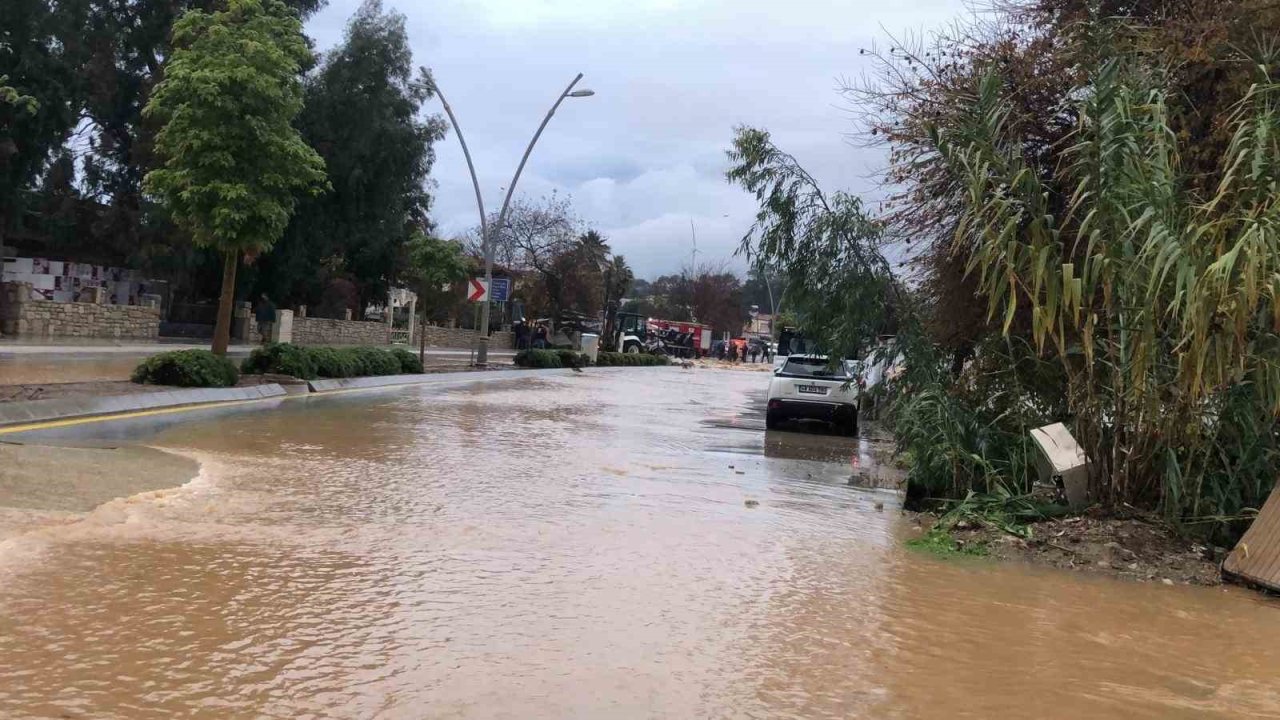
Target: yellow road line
[(86, 419)]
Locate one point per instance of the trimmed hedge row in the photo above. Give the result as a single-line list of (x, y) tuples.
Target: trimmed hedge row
[(310, 363), (201, 368), (187, 368), (572, 359), (617, 359)]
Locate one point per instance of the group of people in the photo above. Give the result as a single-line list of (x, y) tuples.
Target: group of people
[(743, 352), (537, 337)]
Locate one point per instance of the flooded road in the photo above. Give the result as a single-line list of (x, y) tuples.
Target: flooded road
[(576, 545)]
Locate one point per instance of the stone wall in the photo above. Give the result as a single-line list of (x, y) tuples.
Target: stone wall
[(323, 331), (44, 318), (463, 338)]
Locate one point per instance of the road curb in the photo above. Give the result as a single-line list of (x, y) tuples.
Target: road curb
[(37, 411), (36, 415), (358, 383)]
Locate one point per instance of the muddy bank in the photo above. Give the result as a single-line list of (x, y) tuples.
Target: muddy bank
[(42, 484), (1132, 547), (52, 391)]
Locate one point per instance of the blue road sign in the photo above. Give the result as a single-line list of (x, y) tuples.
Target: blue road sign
[(501, 290)]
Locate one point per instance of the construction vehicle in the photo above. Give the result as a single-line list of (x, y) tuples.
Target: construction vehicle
[(636, 333)]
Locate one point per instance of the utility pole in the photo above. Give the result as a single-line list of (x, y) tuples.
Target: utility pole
[(693, 232)]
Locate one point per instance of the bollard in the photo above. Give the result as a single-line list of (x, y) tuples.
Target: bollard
[(282, 329)]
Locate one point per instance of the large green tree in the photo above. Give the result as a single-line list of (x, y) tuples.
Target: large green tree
[(120, 51), (71, 173), (232, 160), (37, 110), (362, 115)]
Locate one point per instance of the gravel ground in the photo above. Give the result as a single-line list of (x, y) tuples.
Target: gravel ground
[(1133, 546)]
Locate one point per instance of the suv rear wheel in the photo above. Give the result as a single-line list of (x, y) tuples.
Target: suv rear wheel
[(849, 425)]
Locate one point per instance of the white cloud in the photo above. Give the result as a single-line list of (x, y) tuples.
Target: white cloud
[(673, 78)]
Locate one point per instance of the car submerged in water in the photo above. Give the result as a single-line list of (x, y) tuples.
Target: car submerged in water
[(811, 387)]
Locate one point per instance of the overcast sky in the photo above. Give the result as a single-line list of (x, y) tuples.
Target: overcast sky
[(645, 155)]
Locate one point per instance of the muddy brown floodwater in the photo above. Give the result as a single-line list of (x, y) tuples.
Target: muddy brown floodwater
[(576, 545)]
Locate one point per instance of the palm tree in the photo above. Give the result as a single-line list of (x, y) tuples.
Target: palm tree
[(594, 248)]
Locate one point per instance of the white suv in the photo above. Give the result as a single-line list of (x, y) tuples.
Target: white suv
[(808, 387)]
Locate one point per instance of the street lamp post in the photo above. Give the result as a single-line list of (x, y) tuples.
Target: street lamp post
[(487, 238)]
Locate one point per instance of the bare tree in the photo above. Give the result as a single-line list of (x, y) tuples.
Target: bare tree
[(544, 238)]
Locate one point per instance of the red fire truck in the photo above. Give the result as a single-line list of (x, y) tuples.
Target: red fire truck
[(637, 333)]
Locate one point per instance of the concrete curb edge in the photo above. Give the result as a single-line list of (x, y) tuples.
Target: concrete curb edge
[(35, 411)]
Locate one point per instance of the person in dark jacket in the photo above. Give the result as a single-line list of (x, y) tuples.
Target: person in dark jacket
[(266, 317)]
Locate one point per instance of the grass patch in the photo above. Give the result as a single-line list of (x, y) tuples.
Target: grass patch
[(940, 543)]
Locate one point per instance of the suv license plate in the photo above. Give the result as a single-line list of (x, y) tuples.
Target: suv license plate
[(811, 389)]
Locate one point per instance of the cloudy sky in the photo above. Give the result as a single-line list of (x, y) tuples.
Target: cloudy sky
[(645, 155)]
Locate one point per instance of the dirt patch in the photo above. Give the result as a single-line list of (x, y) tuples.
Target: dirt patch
[(713, 364), (1133, 547), (97, 388)]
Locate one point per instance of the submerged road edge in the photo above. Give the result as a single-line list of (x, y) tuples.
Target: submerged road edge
[(36, 415)]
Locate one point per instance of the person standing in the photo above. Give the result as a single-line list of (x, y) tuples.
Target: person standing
[(265, 314)]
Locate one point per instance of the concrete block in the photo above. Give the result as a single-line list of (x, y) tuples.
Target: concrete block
[(282, 330)]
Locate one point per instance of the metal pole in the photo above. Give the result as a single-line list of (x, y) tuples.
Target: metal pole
[(482, 352), (480, 347)]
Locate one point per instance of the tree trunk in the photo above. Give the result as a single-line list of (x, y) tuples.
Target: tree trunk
[(4, 223), (422, 338), (222, 330)]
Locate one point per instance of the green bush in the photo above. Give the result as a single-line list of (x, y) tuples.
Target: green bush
[(187, 368), (538, 359), (280, 359), (616, 359), (573, 359), (333, 363), (410, 363), (329, 362), (374, 361)]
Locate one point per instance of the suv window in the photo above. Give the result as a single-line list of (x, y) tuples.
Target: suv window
[(814, 367)]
